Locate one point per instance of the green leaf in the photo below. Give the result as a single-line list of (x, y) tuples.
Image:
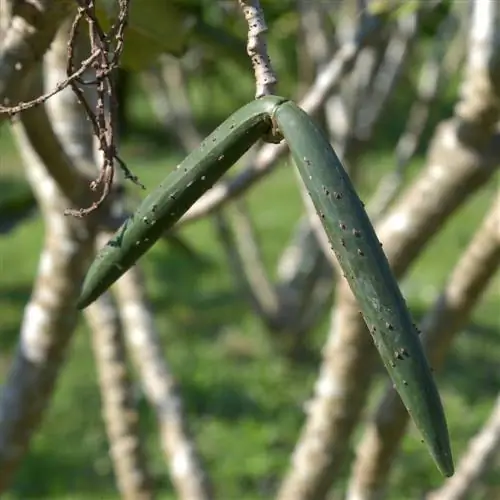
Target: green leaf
[(154, 27)]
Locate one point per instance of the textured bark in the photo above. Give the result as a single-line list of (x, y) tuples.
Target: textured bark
[(186, 470), (29, 34), (477, 460), (117, 396), (461, 159), (382, 437), (49, 317)]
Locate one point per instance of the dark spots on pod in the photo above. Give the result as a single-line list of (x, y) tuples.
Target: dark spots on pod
[(405, 382), (402, 353), (337, 195), (172, 196), (233, 126), (307, 161), (389, 326), (322, 215), (356, 233), (214, 140), (153, 208), (342, 242), (342, 226), (325, 189), (146, 221), (393, 364), (381, 245), (360, 252)]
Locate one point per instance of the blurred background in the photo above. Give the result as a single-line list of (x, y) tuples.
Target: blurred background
[(246, 373)]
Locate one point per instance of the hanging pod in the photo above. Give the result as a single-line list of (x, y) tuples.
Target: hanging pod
[(344, 219), (367, 270)]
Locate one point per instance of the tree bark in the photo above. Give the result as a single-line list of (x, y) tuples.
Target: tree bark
[(29, 34), (186, 470), (49, 318), (118, 408)]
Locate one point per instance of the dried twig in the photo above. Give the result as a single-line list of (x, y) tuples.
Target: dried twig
[(265, 76), (102, 117)]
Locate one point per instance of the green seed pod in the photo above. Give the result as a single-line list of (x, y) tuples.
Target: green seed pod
[(177, 193), (367, 270)]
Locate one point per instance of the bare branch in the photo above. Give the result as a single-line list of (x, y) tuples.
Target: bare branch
[(27, 38), (176, 88), (468, 281), (475, 462), (430, 82), (186, 470), (118, 407), (305, 276), (136, 317), (50, 316), (245, 260), (265, 76)]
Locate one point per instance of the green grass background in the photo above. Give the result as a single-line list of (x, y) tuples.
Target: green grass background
[(243, 398)]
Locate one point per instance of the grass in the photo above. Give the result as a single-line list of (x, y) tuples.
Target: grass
[(243, 399)]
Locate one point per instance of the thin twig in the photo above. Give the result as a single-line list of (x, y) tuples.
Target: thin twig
[(265, 76)]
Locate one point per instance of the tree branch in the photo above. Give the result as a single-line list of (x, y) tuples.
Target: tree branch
[(186, 470), (265, 76), (118, 407), (50, 316), (29, 34)]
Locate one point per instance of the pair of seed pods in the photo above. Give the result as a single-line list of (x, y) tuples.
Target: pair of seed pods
[(344, 219)]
